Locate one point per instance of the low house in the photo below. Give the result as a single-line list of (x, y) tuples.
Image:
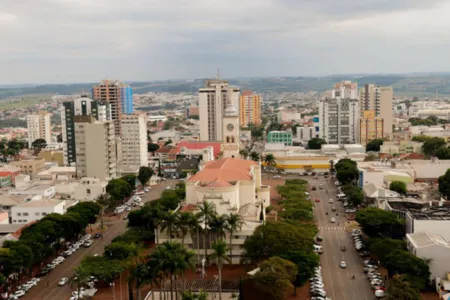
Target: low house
[(90, 189), (35, 210)]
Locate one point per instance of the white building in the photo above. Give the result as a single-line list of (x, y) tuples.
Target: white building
[(43, 191), (431, 247), (306, 133), (39, 127), (233, 186), (89, 189), (35, 210), (230, 133), (95, 148), (134, 141), (214, 98), (289, 115)]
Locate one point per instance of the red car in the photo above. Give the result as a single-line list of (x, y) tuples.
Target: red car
[(317, 200)]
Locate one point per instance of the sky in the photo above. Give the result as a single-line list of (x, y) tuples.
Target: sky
[(64, 41)]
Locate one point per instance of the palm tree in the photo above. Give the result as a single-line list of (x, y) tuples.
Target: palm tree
[(207, 211), (104, 201), (170, 222), (269, 159), (139, 275), (235, 223), (194, 225), (219, 253), (243, 153), (254, 156), (219, 226), (184, 219)]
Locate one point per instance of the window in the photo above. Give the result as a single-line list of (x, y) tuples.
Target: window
[(44, 213), (36, 214), (25, 214), (88, 191), (19, 214)]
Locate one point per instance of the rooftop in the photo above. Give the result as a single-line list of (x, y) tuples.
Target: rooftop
[(41, 203), (424, 239)]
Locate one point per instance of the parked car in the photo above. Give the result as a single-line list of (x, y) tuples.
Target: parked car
[(343, 264), (313, 188), (19, 293), (88, 243), (63, 281), (333, 220), (97, 235), (276, 176)]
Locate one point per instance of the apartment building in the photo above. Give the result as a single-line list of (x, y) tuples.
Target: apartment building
[(370, 127), (29, 166), (378, 99), (82, 106), (38, 126), (214, 98), (284, 137), (95, 145), (249, 109), (134, 141), (36, 209), (119, 95), (288, 115)]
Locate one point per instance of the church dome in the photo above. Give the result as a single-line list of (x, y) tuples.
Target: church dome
[(231, 111)]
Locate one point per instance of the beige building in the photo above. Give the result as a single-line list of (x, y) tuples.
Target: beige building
[(214, 98), (39, 127), (52, 156), (249, 109), (230, 145), (370, 127), (133, 142), (89, 189), (29, 166), (378, 99), (401, 147), (95, 147)]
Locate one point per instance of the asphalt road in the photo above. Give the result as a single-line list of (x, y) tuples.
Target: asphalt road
[(338, 282), (115, 228)]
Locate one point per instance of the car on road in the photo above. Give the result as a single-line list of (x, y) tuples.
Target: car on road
[(313, 188), (331, 200), (316, 200), (333, 208), (276, 176), (343, 248), (321, 186), (146, 190), (63, 281), (333, 220), (88, 243), (97, 235), (319, 238), (337, 183), (19, 293), (343, 264)]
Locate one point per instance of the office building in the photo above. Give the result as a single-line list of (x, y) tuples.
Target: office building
[(119, 95), (134, 141), (95, 145), (284, 137), (39, 127), (378, 99), (214, 98), (82, 106), (371, 127), (249, 109), (339, 116)]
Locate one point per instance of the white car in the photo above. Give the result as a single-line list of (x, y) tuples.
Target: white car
[(63, 281), (343, 264), (19, 293), (276, 176), (333, 220), (331, 200)]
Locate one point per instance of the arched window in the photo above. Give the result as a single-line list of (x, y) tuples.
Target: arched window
[(232, 139), (228, 139)]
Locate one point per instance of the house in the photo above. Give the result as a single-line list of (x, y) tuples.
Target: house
[(89, 189), (8, 173), (45, 191), (29, 166), (57, 173), (35, 210)]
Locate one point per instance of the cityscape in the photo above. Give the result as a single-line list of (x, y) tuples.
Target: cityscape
[(246, 150)]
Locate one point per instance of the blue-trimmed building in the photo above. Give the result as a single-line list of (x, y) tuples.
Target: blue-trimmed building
[(126, 93)]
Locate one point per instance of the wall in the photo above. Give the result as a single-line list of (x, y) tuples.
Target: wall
[(439, 227), (35, 213), (89, 192), (439, 259)]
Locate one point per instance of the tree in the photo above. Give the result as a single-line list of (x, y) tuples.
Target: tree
[(170, 223), (131, 179), (38, 145), (431, 146), (243, 153), (316, 143), (420, 138), (120, 250), (383, 246), (400, 289), (278, 239), (378, 222), (101, 267), (59, 138), (219, 254), (218, 225), (374, 145), (398, 186), (306, 262), (276, 276), (404, 262), (151, 147), (188, 295), (119, 189), (355, 194), (254, 156), (207, 212), (444, 184), (168, 142), (443, 153), (235, 223), (144, 175), (194, 224), (269, 159)]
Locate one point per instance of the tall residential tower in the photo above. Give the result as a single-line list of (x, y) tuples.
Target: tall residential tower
[(249, 109), (39, 127)]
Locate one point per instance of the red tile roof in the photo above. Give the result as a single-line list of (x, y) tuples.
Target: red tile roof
[(219, 173), (201, 145)]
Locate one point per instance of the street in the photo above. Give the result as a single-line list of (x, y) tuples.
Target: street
[(114, 228), (338, 282)]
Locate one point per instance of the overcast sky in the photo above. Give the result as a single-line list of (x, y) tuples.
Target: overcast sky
[(58, 41)]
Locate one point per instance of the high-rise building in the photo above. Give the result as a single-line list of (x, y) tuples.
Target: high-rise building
[(214, 98), (249, 109), (133, 141), (378, 99), (39, 127), (95, 145), (82, 106), (339, 116), (371, 127), (119, 95)]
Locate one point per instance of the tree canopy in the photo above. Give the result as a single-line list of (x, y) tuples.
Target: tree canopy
[(378, 222), (383, 246), (432, 145), (346, 171), (144, 175), (374, 145), (444, 184), (400, 288), (38, 145), (355, 194), (151, 147), (316, 143), (398, 186), (119, 189)]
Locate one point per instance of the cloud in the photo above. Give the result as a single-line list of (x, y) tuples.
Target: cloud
[(84, 40)]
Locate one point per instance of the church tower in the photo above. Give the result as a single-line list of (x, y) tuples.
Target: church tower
[(230, 132)]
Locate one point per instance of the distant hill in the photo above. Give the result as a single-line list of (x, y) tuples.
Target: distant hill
[(413, 84)]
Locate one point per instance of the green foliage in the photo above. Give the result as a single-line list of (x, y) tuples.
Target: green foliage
[(376, 222), (295, 205), (316, 143), (374, 145), (269, 159), (400, 288), (168, 142), (257, 131), (305, 261), (276, 276), (144, 175), (420, 138), (443, 153), (38, 145), (101, 267), (188, 295), (254, 156), (346, 171), (444, 184), (119, 189), (355, 194), (151, 147), (398, 186), (120, 250), (432, 145), (383, 246), (430, 121), (170, 199), (131, 179)]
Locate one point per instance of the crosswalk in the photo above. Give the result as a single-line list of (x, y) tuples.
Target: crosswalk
[(333, 228)]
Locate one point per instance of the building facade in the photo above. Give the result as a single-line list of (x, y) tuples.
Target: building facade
[(213, 100), (370, 127), (29, 166), (115, 93), (39, 127), (379, 100), (284, 137), (249, 109), (36, 209), (289, 115), (134, 141), (230, 133), (306, 133), (95, 147)]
